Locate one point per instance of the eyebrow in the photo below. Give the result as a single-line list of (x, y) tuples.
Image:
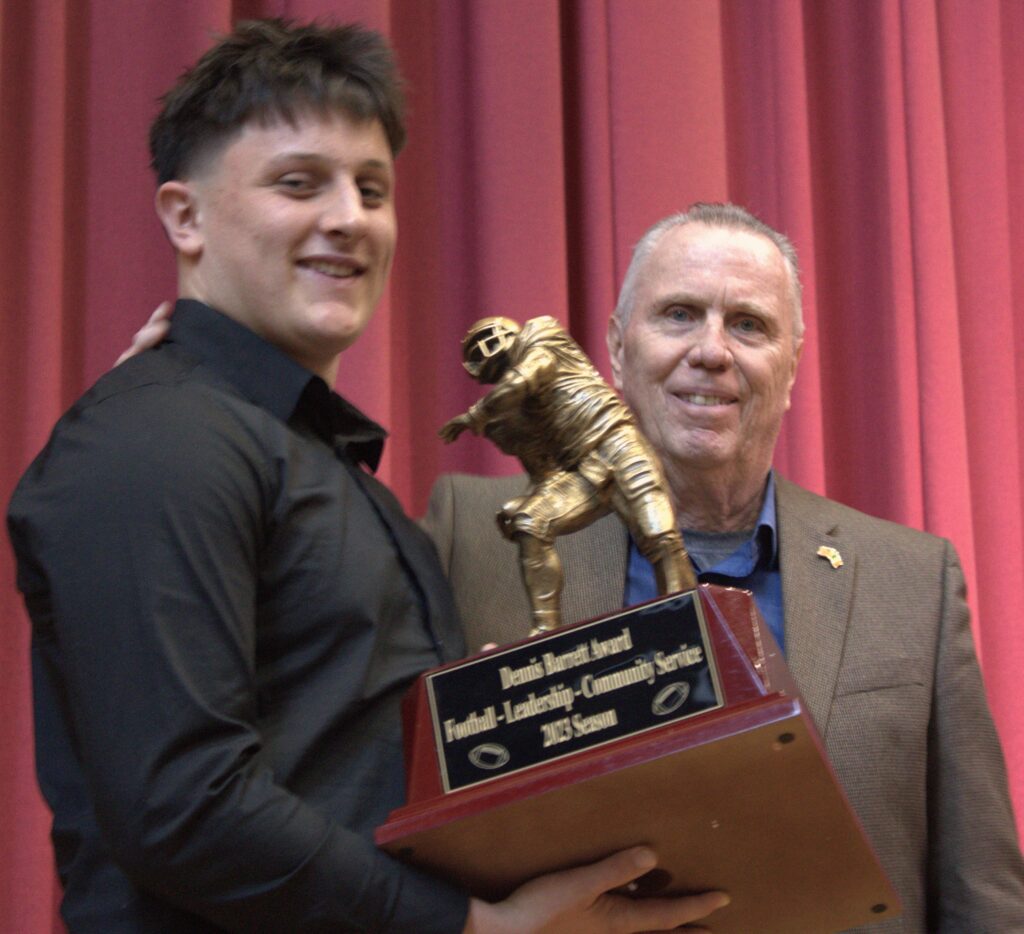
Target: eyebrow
[(300, 156), (749, 308), (690, 298), (678, 298)]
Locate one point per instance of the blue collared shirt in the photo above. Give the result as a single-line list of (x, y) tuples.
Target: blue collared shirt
[(753, 566)]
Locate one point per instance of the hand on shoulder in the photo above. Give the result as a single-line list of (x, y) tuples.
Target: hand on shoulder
[(151, 333)]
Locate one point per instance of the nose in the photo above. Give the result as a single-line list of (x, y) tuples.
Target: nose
[(344, 213), (710, 348)]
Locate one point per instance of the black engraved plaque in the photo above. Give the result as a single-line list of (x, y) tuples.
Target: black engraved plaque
[(572, 690)]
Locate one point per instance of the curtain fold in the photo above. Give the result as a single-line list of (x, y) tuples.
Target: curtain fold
[(884, 136)]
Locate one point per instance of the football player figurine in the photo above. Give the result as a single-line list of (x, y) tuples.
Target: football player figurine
[(580, 446)]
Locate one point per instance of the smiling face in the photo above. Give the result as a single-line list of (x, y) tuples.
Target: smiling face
[(290, 230), (708, 355)]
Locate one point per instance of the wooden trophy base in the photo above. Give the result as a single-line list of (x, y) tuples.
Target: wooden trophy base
[(738, 796)]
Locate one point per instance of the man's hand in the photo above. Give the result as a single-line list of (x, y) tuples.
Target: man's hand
[(151, 333), (452, 429), (581, 901)]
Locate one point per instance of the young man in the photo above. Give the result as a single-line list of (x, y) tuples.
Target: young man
[(226, 606)]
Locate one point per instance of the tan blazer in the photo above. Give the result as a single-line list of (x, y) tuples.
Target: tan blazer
[(881, 649)]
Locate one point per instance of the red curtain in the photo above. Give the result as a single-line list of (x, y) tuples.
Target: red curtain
[(885, 136)]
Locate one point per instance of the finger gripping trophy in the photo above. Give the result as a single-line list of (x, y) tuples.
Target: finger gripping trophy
[(580, 447)]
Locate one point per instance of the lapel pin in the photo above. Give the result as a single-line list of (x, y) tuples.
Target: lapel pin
[(831, 555)]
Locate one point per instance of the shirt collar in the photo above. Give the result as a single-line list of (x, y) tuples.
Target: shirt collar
[(767, 529), (269, 378), (758, 551)]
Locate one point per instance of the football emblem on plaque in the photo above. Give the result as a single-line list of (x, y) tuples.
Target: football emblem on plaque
[(674, 723)]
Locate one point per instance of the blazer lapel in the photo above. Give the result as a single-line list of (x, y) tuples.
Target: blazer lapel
[(816, 596)]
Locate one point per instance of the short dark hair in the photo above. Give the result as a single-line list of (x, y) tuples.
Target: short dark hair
[(268, 70)]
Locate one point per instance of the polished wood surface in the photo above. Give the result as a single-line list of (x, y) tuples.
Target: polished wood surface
[(741, 798)]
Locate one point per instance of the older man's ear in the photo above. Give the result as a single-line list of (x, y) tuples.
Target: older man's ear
[(151, 333)]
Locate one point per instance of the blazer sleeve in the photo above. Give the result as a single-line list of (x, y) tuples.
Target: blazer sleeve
[(438, 522), (482, 566), (975, 872)]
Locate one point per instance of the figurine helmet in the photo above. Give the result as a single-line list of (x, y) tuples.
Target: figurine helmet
[(486, 345)]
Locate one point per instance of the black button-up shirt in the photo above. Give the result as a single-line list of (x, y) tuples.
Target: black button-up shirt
[(226, 610)]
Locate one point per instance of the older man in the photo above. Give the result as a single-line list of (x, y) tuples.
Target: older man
[(704, 344)]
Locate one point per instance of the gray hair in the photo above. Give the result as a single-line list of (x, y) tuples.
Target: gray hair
[(713, 215)]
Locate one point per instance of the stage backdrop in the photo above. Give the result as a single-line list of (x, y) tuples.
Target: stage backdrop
[(885, 137)]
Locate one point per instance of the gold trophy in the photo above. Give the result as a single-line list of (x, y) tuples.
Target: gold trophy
[(675, 723), (580, 447)]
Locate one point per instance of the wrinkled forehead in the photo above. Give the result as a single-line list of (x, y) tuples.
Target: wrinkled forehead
[(716, 264), (695, 247)]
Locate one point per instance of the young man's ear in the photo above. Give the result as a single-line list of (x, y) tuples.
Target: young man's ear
[(178, 210)]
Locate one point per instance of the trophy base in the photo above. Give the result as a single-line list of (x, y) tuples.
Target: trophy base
[(739, 797)]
